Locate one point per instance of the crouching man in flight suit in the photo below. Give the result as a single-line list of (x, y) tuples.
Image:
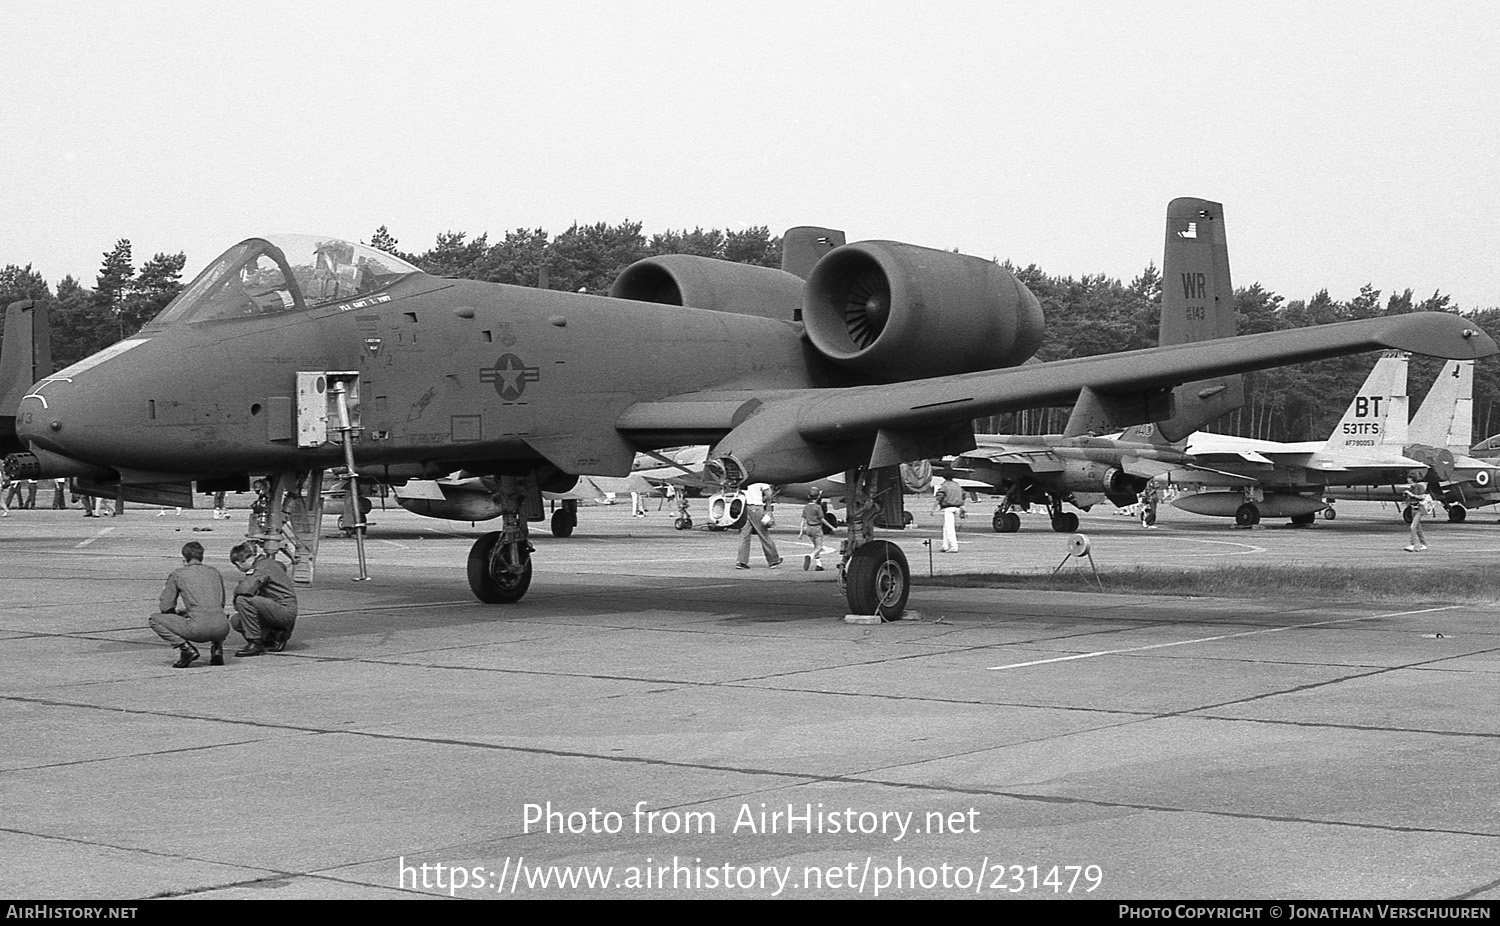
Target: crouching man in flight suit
[(265, 605), (200, 617)]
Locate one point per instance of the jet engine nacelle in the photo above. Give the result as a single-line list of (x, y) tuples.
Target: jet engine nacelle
[(707, 283), (1114, 482), (889, 311)]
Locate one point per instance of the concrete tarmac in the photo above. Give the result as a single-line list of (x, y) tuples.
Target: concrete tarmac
[(650, 722)]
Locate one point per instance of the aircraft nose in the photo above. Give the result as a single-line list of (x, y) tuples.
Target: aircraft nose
[(42, 419)]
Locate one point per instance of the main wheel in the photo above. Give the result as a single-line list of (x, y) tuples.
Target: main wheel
[(1006, 522), (1457, 513), (493, 577), (563, 522), (877, 580), (683, 523), (1406, 514), (1246, 515), (1330, 513), (1065, 523)]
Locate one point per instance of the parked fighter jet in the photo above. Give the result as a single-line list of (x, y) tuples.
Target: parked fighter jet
[(286, 354), (1051, 469), (1250, 479), (1439, 436)]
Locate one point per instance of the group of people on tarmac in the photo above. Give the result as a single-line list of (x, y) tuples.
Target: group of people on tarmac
[(816, 525), (21, 495), (948, 497), (191, 607)]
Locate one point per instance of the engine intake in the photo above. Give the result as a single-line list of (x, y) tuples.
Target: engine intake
[(891, 311), (708, 283)]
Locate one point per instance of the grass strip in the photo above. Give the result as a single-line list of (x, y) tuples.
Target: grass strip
[(1426, 584)]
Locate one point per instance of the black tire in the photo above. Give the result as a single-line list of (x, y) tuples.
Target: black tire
[(683, 524), (1065, 523), (833, 519), (1246, 515), (906, 519), (563, 522), (1006, 522), (1330, 513), (1406, 514), (877, 580), (1457, 513), (508, 589)]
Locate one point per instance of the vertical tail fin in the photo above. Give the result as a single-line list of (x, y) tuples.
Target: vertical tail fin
[(801, 247), (1144, 434), (1446, 418), (1197, 304), (1376, 419), (25, 358)]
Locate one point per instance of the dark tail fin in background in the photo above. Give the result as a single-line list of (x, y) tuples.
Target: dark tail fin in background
[(801, 247), (1197, 304), (25, 357)]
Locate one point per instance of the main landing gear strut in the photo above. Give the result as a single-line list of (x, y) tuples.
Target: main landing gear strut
[(874, 573), (500, 561)]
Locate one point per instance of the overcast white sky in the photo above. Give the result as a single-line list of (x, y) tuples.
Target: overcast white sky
[(1350, 142)]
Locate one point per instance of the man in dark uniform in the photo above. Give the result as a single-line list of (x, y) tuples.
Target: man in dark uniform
[(200, 616), (265, 604)]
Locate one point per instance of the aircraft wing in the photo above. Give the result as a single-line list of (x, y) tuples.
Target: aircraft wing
[(962, 397), (786, 435)]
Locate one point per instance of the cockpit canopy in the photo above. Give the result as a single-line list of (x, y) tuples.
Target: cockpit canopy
[(283, 273)]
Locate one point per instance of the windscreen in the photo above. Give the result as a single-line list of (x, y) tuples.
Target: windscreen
[(283, 273)]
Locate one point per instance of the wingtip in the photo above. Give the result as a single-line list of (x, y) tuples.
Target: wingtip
[(1438, 334)]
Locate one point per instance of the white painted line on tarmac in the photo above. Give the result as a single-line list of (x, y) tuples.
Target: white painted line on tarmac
[(1248, 547), (1226, 636), (96, 536)]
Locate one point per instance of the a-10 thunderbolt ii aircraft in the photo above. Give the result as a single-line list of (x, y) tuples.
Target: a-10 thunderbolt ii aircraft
[(288, 355)]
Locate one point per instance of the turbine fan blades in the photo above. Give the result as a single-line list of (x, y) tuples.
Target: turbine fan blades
[(866, 308)]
